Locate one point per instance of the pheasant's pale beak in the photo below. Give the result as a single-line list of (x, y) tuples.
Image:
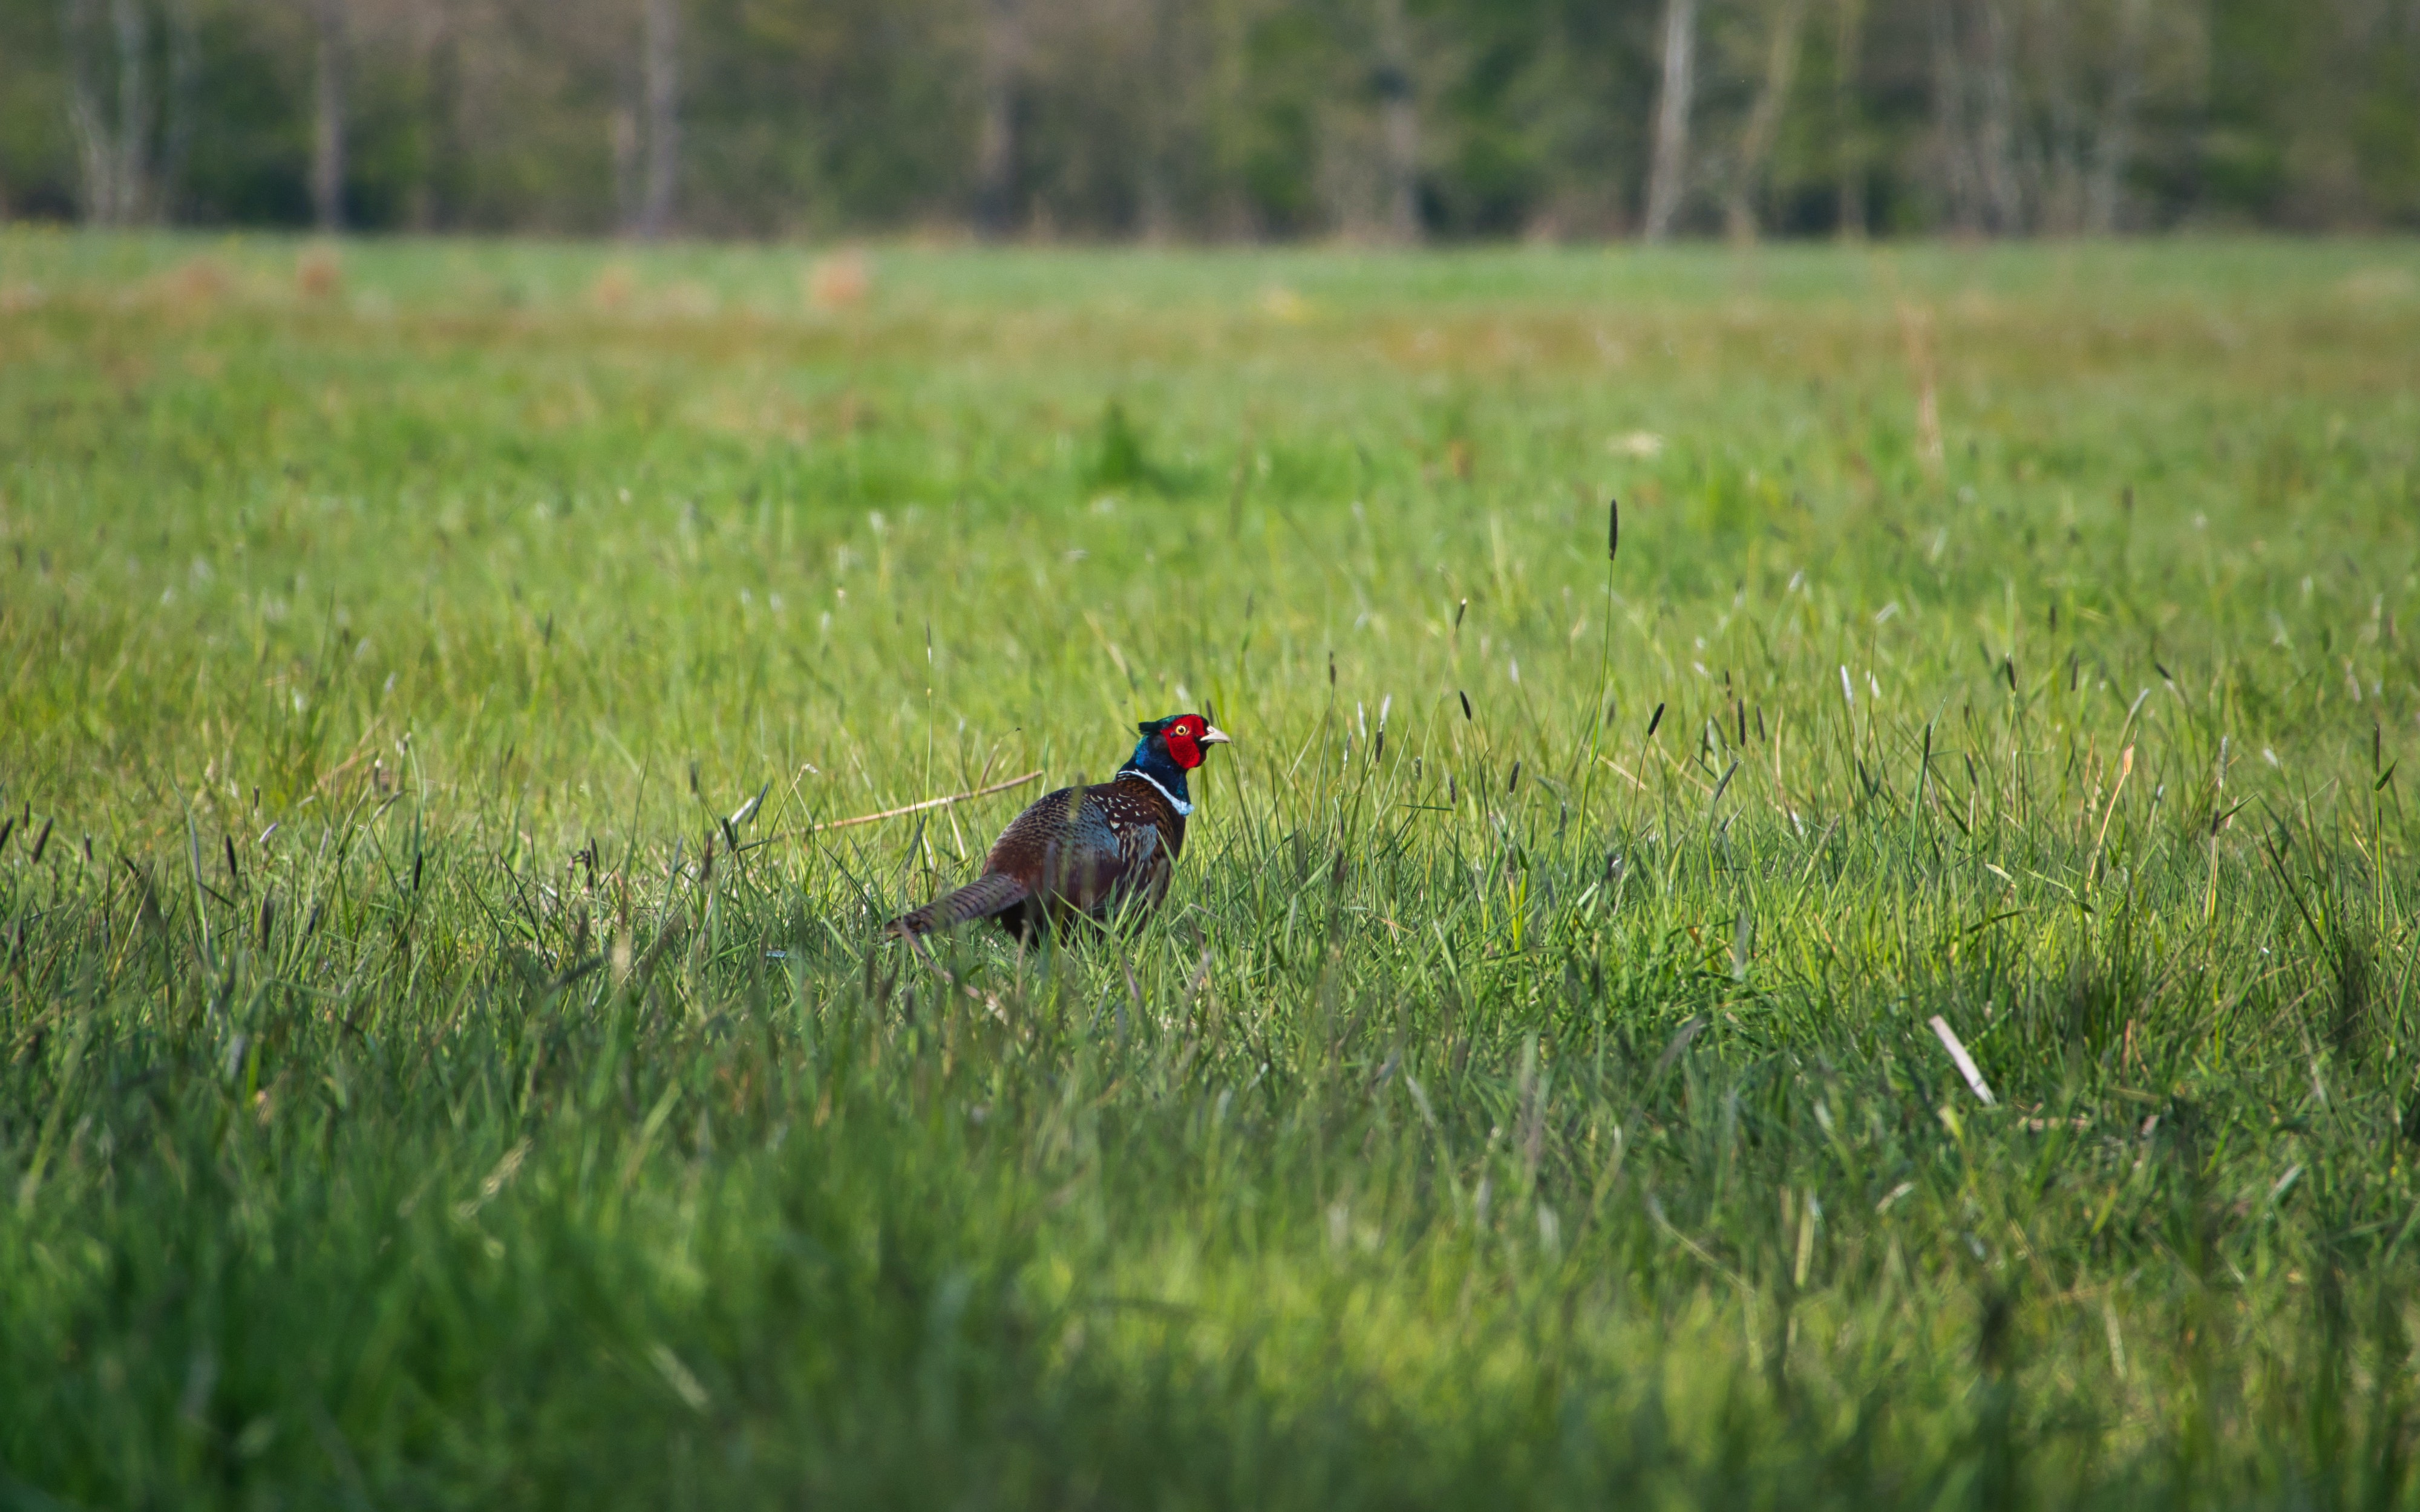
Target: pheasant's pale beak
[(1213, 735)]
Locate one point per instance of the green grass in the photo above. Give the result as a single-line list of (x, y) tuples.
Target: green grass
[(409, 1098)]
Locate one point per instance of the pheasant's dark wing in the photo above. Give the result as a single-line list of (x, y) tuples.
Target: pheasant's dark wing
[(1150, 833), (1076, 850), (1091, 850), (1089, 864), (1150, 865), (1026, 848)]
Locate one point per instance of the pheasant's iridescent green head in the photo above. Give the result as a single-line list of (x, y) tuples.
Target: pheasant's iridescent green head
[(1180, 738)]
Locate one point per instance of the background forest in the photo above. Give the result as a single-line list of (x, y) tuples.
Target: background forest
[(1219, 119)]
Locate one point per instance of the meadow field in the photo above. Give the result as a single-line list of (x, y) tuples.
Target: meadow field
[(425, 1081)]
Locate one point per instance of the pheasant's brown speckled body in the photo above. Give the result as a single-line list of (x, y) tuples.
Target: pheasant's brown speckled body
[(1086, 852)]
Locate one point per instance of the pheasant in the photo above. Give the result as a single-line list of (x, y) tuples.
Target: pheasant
[(1086, 851)]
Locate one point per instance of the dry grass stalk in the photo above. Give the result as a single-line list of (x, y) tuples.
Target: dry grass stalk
[(918, 808), (1916, 331), (1965, 1063)]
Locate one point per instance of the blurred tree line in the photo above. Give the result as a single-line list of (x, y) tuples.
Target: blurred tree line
[(1382, 119)]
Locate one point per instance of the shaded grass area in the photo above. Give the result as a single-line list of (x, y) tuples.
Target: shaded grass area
[(416, 1089)]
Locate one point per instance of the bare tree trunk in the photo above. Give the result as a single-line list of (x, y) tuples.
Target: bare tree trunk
[(438, 108), (2113, 143), (1764, 121), (133, 109), (1848, 122), (176, 127), (1228, 44), (1962, 203), (624, 134), (1669, 166), (1400, 124), (2057, 170), (1995, 143), (659, 69), (328, 118), (1163, 89), (996, 138), (96, 158)]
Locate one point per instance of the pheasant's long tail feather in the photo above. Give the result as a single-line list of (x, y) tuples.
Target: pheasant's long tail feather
[(993, 893)]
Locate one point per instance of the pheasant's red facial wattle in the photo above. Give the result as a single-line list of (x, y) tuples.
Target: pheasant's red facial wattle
[(1185, 735)]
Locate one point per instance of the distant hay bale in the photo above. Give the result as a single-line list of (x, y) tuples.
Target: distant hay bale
[(194, 283), (839, 282), (617, 284), (189, 287), (319, 273)]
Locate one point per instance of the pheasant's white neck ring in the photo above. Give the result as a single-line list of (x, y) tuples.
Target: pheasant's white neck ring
[(1181, 807)]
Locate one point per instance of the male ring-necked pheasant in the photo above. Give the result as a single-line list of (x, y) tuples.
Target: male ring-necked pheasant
[(1086, 851)]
